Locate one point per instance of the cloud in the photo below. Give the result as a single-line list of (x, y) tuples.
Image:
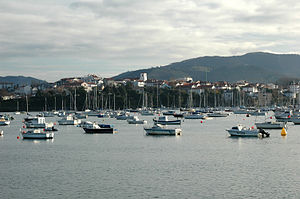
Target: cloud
[(113, 36)]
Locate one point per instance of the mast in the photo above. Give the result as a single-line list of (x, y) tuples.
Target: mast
[(75, 102), (26, 103), (157, 94), (55, 103), (45, 104)]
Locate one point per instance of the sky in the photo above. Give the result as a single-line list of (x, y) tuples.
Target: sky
[(53, 39)]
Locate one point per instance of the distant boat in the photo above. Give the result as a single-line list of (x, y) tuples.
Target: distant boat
[(147, 113), (168, 113), (164, 120), (217, 114), (158, 129), (37, 122), (99, 128), (295, 120), (271, 125), (136, 120), (4, 120), (242, 131), (1, 133), (69, 120), (37, 134), (196, 116)]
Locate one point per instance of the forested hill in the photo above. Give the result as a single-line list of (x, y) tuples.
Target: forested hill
[(253, 67)]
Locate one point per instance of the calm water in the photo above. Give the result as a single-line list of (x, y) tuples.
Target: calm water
[(202, 163)]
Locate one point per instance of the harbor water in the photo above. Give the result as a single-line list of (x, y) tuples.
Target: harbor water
[(202, 163)]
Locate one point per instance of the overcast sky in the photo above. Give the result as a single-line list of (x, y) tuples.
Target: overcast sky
[(51, 39)]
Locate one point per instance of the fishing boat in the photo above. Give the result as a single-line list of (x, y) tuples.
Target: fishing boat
[(99, 128), (164, 120), (271, 125), (136, 120), (37, 134), (158, 129), (242, 131)]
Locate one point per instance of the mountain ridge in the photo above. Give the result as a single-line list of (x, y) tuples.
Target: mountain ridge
[(254, 67)]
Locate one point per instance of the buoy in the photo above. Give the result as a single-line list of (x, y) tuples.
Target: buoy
[(201, 122), (54, 123), (252, 127), (289, 116), (283, 132), (18, 137), (271, 118)]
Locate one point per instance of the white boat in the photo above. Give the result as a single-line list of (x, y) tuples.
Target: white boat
[(164, 120), (69, 120), (136, 120), (158, 129), (4, 121), (37, 134), (37, 122), (283, 116), (242, 131), (271, 125)]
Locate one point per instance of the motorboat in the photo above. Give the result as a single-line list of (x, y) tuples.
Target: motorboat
[(69, 120), (147, 113), (46, 114), (37, 134), (124, 117), (136, 120), (284, 116), (242, 131), (271, 125), (164, 120), (4, 121), (168, 113), (158, 129), (99, 128), (37, 122)]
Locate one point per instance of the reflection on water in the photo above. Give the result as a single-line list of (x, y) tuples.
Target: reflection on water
[(38, 141), (204, 162)]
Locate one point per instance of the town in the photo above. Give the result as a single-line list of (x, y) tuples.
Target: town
[(94, 93)]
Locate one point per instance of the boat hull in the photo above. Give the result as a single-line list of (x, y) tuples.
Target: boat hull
[(99, 131), (38, 135), (167, 132)]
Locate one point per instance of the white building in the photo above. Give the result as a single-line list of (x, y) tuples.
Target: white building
[(143, 77)]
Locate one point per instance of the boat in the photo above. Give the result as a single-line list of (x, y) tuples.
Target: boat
[(283, 116), (195, 116), (37, 122), (1, 133), (124, 117), (242, 131), (168, 113), (37, 134), (4, 121), (295, 120), (69, 120), (136, 120), (271, 125), (100, 128), (46, 114), (178, 115), (164, 120), (217, 114), (147, 113), (158, 129)]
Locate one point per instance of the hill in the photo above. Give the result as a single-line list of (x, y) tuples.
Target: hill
[(21, 80), (253, 67)]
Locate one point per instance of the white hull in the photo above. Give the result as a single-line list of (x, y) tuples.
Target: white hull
[(4, 123), (153, 131)]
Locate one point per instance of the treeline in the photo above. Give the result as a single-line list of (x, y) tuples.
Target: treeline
[(126, 97)]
